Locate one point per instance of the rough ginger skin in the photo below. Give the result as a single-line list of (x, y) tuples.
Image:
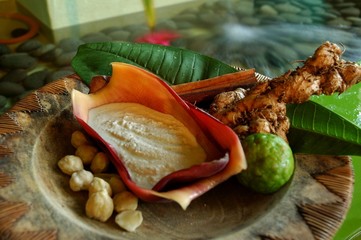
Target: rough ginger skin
[(263, 108)]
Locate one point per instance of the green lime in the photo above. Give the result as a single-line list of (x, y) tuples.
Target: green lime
[(270, 163)]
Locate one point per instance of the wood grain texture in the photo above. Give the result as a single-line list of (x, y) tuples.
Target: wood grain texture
[(15, 124), (10, 213), (29, 103), (5, 180), (4, 151), (38, 235), (323, 219), (37, 203), (338, 181), (8, 124)]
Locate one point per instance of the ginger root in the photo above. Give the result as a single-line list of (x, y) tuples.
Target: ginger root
[(262, 109)]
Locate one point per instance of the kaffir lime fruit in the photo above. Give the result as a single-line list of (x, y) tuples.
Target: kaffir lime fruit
[(270, 163)]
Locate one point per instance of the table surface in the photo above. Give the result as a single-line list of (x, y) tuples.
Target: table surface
[(352, 224)]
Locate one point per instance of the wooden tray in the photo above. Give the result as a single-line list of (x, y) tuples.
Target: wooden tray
[(37, 203)]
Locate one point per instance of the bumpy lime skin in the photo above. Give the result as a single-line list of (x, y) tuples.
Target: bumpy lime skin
[(270, 163)]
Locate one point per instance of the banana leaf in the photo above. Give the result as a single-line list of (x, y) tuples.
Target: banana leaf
[(316, 127)]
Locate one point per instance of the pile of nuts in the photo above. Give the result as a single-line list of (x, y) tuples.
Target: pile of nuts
[(107, 192)]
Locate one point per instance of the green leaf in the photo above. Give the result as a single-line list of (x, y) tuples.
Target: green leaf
[(327, 124), (174, 65), (318, 130)]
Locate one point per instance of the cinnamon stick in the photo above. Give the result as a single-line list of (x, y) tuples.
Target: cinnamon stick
[(199, 91), (206, 89)]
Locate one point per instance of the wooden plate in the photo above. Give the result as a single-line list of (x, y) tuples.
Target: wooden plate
[(37, 203)]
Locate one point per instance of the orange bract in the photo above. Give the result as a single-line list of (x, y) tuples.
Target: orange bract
[(225, 156)]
